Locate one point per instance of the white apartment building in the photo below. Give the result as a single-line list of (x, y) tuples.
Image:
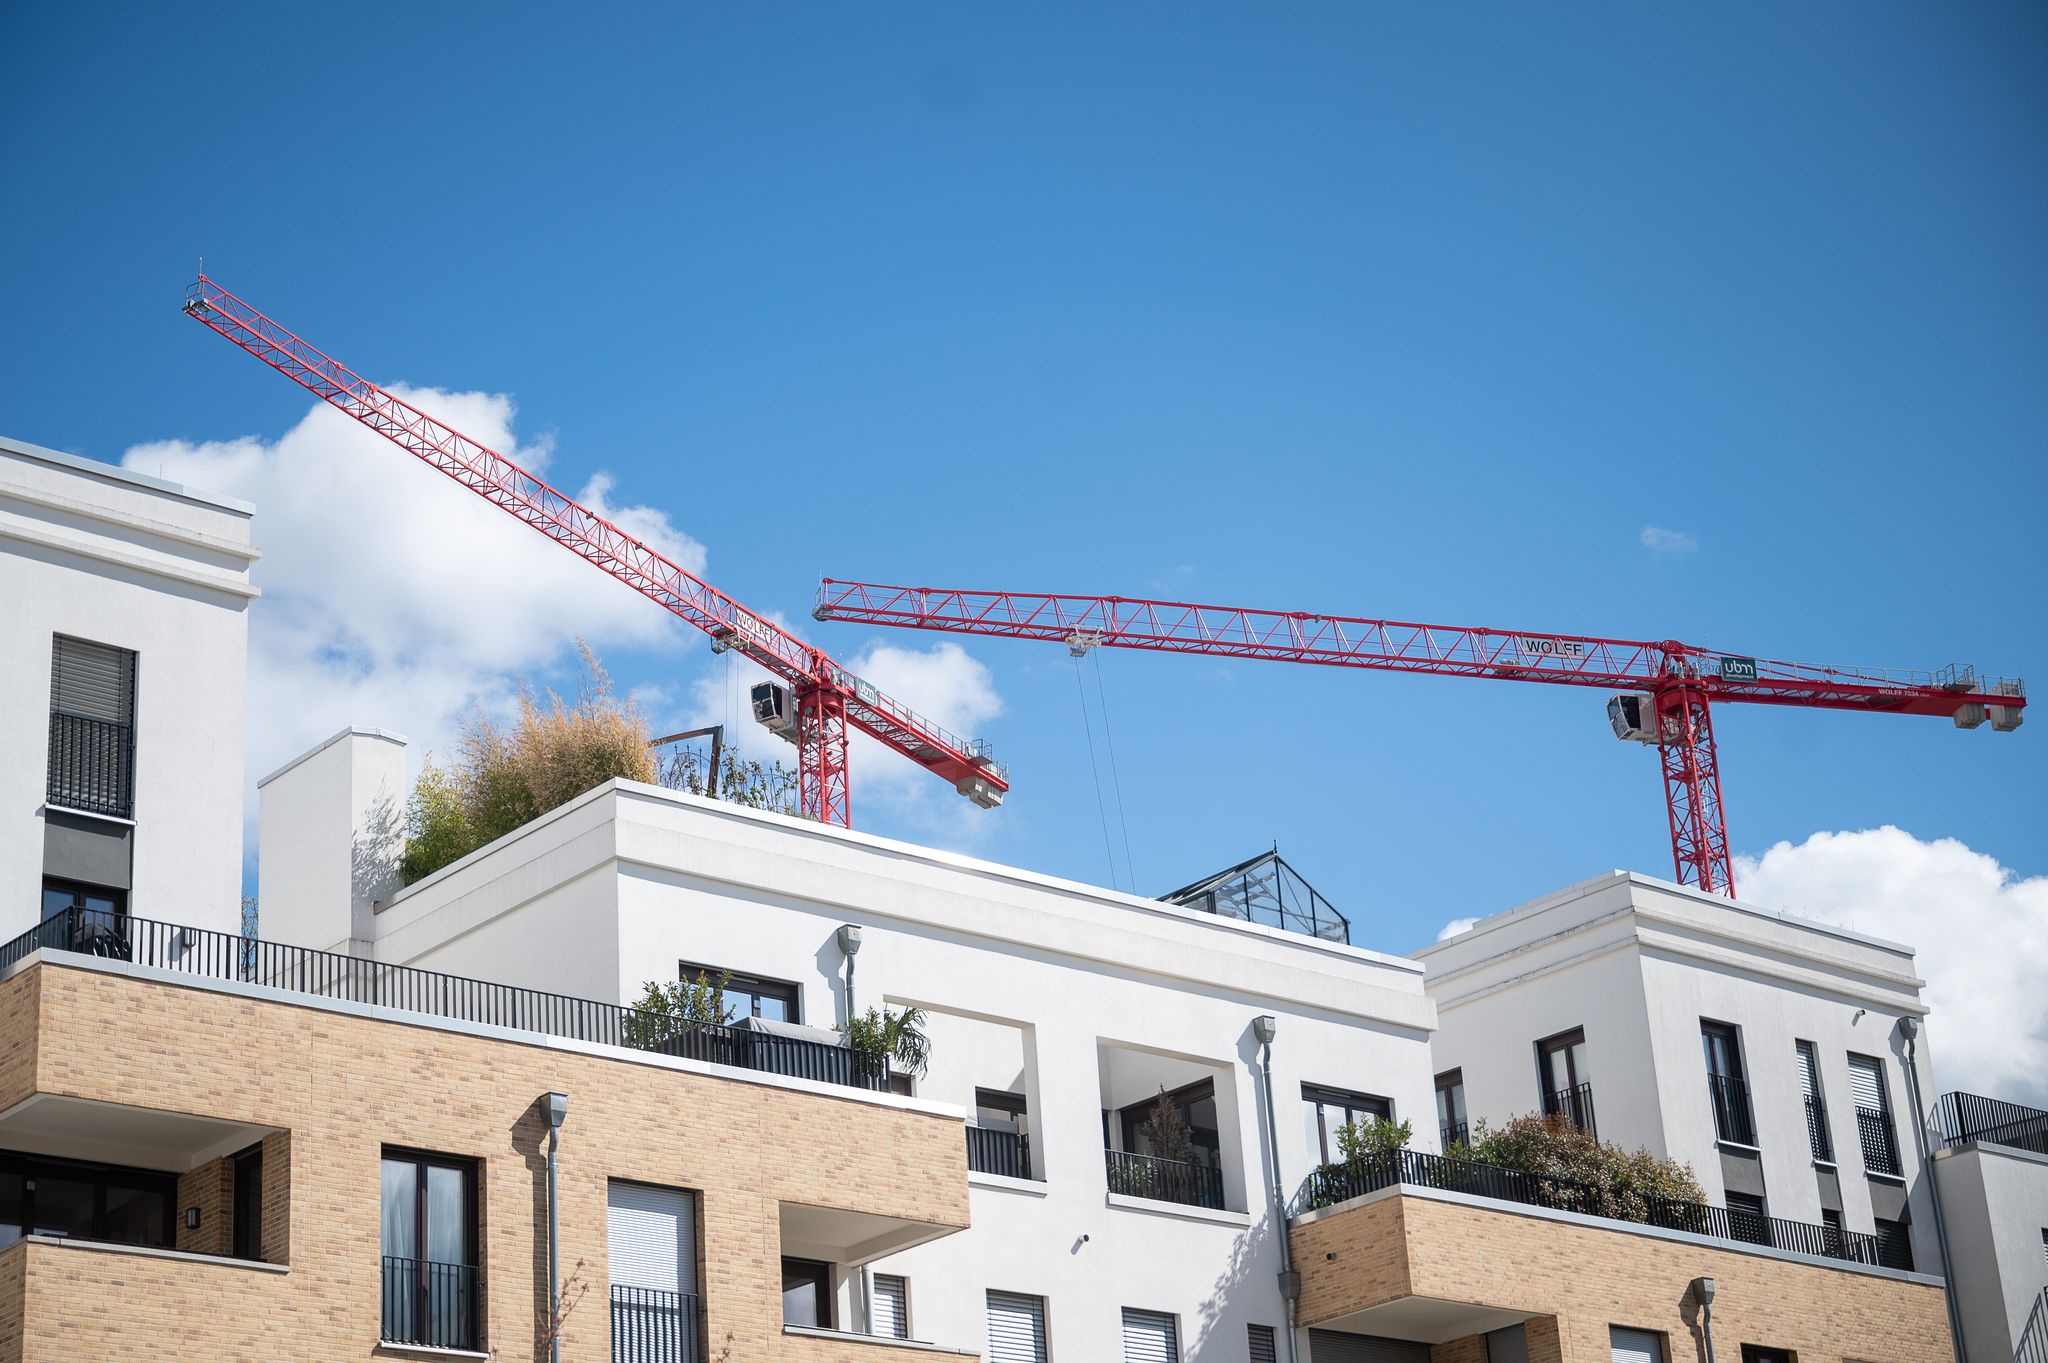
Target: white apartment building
[(1059, 1014), (121, 693), (1992, 1169), (1765, 1050)]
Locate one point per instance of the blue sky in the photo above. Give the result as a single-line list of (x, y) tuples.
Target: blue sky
[(1361, 308)]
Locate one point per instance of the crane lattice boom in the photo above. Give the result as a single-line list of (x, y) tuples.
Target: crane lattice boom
[(829, 696), (1682, 681)]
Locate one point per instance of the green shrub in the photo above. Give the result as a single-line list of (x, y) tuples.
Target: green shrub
[(879, 1035), (664, 1012), (1362, 1145), (1622, 1181)]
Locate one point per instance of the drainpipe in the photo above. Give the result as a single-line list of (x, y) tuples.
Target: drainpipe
[(849, 946), (1264, 1026), (556, 1106), (1703, 1293), (1909, 1029)]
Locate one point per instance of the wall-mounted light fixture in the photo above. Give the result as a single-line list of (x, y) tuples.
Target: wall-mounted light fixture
[(191, 1218)]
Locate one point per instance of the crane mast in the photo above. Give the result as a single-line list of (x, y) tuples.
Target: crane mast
[(822, 697), (1668, 688)]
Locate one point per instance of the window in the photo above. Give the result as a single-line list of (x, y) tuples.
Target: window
[(1016, 1328), (92, 728), (1450, 1108), (1261, 1346), (1725, 1086), (1894, 1244), (651, 1241), (1196, 1103), (1873, 1116), (891, 1306), (999, 1141), (1566, 1079), (807, 1293), (1635, 1346), (752, 996), (1329, 1110), (1150, 1337), (85, 918), (248, 1203), (1817, 1134), (428, 1239), (1831, 1230), (1746, 1219), (81, 1201), (1757, 1353)]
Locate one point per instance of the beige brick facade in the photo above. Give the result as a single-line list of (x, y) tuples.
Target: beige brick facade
[(1575, 1280), (338, 1089)]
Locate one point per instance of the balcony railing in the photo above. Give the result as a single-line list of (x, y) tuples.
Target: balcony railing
[(1817, 1131), (1575, 1105), (1880, 1145), (329, 975), (2033, 1345), (1164, 1180), (429, 1304), (1965, 1117), (652, 1326), (991, 1150), (1730, 1097), (1453, 1133), (92, 765), (1334, 1183)]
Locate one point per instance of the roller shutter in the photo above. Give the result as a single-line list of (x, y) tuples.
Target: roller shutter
[(92, 680), (1150, 1337), (1866, 1083), (1635, 1346), (1809, 1078), (1016, 1328), (1261, 1347), (892, 1306), (652, 1237), (1332, 1346)]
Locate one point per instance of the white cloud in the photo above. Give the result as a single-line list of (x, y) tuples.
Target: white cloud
[(1980, 930), (1454, 927), (1668, 543), (392, 595)]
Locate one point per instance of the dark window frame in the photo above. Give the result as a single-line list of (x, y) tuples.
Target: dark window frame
[(1761, 1353), (1728, 1088), (819, 1274), (471, 1170), (100, 1176), (123, 779), (1322, 1096), (1560, 1043), (755, 987), (1448, 1117), (1132, 1116), (247, 1207)]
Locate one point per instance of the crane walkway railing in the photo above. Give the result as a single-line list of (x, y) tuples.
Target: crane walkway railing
[(208, 954)]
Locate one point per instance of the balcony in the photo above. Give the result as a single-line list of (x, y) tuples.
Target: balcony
[(1965, 1117), (1335, 1183), (992, 1150), (1880, 1145), (92, 765), (1575, 1105), (1164, 1180), (1732, 1120), (1817, 1131), (329, 975), (652, 1326), (1453, 1133), (428, 1304)]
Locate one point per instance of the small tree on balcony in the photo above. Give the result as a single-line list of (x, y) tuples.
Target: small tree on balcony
[(1167, 1130), (878, 1037), (1365, 1146), (665, 1011), (1621, 1183)]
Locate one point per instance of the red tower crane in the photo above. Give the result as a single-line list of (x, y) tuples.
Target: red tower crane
[(815, 698), (1669, 687)]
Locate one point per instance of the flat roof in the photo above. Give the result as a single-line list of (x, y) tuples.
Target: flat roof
[(114, 473)]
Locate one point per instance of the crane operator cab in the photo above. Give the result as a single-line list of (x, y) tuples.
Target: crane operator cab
[(1633, 715)]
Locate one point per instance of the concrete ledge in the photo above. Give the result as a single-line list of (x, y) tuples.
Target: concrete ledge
[(1617, 1227), (1003, 1183), (386, 1347), (153, 1252), (1179, 1210), (877, 1341)]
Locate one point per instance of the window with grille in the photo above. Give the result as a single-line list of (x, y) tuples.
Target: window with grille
[(1150, 1337), (651, 1239), (891, 1298), (1260, 1347), (1817, 1133), (1016, 1328), (92, 728)]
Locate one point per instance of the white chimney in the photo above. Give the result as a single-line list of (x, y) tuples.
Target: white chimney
[(331, 827)]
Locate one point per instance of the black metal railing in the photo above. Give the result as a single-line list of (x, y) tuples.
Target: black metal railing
[(2033, 1345), (429, 1304), (1732, 1121), (653, 1326), (92, 765), (1817, 1131), (1963, 1117), (1880, 1143), (1335, 1183), (1164, 1180), (1575, 1105), (330, 975), (992, 1150), (1453, 1133)]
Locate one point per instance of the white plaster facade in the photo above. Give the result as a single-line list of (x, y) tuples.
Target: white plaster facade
[(1995, 1200), (1639, 964), (98, 553), (1077, 997)]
